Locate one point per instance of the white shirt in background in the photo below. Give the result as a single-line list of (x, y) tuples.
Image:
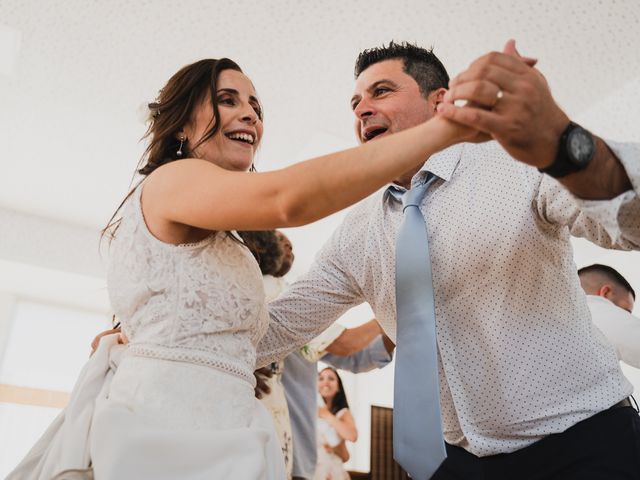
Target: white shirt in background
[(619, 327)]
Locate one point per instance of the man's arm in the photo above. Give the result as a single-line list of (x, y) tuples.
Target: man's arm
[(353, 340), (511, 101), (311, 304), (375, 355)]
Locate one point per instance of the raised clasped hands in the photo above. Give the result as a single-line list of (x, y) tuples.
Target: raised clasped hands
[(510, 101)]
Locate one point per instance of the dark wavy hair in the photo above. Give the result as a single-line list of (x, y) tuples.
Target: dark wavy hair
[(340, 398), (173, 108), (267, 250), (420, 63)]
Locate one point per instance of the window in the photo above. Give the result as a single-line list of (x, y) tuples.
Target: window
[(47, 347)]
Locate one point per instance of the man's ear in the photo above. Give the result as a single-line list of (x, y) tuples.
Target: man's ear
[(605, 291), (435, 98)]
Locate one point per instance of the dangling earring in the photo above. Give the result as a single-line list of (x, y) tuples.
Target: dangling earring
[(179, 152)]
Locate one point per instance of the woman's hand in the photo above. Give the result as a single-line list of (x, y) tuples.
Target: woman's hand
[(122, 338), (339, 450), (456, 132)]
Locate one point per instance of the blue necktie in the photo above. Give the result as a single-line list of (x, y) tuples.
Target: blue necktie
[(418, 443)]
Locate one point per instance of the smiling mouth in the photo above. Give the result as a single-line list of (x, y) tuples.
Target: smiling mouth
[(374, 133), (245, 138)]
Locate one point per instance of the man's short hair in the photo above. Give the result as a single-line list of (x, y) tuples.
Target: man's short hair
[(420, 63), (611, 274)]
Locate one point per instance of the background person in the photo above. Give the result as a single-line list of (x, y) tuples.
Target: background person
[(335, 426), (611, 299)]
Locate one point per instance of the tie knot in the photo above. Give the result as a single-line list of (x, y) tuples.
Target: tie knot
[(413, 197)]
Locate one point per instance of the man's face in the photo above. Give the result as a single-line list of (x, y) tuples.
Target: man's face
[(387, 100)]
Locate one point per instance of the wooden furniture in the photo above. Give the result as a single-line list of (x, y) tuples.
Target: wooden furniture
[(383, 466)]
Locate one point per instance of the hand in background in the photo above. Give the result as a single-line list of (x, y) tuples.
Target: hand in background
[(122, 339), (262, 376)]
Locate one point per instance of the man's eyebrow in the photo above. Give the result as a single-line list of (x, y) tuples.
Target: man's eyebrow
[(375, 85)]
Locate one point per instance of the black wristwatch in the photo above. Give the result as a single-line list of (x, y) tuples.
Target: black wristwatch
[(575, 151)]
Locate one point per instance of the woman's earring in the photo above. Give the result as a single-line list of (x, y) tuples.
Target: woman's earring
[(252, 168), (179, 152)]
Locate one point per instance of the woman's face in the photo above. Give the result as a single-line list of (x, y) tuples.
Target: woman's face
[(234, 145), (327, 383)]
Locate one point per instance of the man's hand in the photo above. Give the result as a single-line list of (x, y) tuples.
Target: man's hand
[(262, 376), (510, 100)]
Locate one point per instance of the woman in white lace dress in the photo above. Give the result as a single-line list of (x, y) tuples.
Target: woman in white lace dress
[(189, 293)]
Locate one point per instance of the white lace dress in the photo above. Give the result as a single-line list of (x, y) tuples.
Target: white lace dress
[(181, 402), (329, 465)]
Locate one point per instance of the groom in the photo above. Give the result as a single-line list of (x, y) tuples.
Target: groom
[(525, 390)]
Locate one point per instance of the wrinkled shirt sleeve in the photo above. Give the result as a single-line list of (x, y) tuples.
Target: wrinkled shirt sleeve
[(373, 356), (613, 223), (310, 305)]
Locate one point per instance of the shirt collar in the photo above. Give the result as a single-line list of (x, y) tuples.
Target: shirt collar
[(442, 164)]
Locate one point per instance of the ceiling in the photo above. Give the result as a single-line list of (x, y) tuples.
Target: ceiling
[(73, 74)]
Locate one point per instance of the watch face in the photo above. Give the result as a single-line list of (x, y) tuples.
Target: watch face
[(580, 145)]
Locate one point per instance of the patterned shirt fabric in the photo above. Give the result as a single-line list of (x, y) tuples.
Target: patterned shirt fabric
[(518, 359)]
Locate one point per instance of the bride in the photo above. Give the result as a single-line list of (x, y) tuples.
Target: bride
[(189, 293)]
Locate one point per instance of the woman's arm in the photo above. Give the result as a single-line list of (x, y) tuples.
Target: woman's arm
[(341, 451), (344, 425), (200, 194)]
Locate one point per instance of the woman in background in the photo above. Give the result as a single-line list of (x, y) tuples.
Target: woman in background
[(335, 427)]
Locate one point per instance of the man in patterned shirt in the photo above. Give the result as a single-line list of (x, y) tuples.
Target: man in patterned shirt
[(526, 389)]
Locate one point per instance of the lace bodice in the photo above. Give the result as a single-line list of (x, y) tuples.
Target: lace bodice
[(201, 302)]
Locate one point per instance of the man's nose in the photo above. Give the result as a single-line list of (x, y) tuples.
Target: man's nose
[(364, 109)]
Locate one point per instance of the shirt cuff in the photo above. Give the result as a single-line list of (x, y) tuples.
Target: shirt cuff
[(608, 212), (316, 348), (378, 352)]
